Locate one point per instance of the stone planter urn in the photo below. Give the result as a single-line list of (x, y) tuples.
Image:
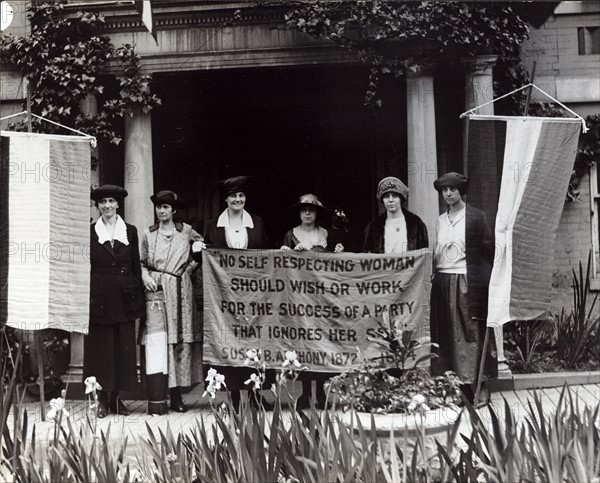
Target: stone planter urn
[(435, 423)]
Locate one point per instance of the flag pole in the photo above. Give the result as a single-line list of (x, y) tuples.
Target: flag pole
[(486, 341), (39, 340), (527, 101)]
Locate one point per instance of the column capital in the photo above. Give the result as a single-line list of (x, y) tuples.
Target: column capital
[(479, 64), (424, 69)]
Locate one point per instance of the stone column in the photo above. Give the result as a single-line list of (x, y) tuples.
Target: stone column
[(89, 107), (479, 88), (139, 178), (422, 154)]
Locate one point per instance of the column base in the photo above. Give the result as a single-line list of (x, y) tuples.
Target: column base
[(504, 371)]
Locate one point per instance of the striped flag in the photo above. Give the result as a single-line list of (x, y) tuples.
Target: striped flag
[(521, 169), (144, 8), (44, 231)]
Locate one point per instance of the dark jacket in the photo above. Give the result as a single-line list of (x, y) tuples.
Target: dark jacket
[(416, 233), (479, 247), (257, 236), (116, 293)]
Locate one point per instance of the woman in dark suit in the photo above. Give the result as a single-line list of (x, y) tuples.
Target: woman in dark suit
[(116, 300), (237, 229)]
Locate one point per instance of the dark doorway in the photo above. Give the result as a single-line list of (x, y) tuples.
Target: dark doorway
[(295, 130)]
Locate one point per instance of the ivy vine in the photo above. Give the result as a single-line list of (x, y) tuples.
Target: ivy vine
[(63, 60), (588, 154), (401, 37)]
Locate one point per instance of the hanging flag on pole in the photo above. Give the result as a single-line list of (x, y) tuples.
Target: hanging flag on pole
[(144, 7), (530, 161)]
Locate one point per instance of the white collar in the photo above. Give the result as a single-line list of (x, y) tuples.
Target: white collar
[(459, 216), (120, 231), (223, 220)]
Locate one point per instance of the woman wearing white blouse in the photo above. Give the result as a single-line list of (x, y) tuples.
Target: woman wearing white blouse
[(463, 257), (237, 229)]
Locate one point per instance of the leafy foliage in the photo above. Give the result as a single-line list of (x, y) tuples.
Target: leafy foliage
[(529, 338), (588, 154), (577, 331), (63, 59), (402, 37), (373, 387)]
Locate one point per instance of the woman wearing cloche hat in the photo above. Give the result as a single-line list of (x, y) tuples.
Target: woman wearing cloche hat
[(173, 349), (397, 230), (116, 300), (463, 258)]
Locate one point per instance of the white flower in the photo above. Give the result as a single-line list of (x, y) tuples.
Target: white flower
[(57, 405), (291, 359), (215, 381), (418, 402), (254, 380), (171, 458), (91, 385), (252, 357), (219, 381)]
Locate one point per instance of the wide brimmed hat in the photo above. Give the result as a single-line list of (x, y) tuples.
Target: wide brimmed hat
[(391, 184), (235, 184), (108, 191), (311, 201), (452, 179), (167, 197)]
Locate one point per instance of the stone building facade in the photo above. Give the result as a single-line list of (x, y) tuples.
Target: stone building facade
[(244, 95)]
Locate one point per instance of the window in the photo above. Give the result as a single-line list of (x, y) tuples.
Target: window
[(588, 40)]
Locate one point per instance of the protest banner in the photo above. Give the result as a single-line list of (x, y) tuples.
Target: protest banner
[(322, 305)]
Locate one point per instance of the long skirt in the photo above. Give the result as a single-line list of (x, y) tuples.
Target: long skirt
[(180, 363), (110, 355), (459, 336)]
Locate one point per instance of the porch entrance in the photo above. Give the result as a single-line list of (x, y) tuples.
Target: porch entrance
[(295, 130)]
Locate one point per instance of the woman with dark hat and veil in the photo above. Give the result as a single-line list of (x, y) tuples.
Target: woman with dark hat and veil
[(237, 229), (310, 235), (173, 340), (116, 300)]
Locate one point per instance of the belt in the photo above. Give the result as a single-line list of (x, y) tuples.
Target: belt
[(179, 308), (112, 271)]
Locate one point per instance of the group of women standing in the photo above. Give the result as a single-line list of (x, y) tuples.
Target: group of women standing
[(126, 286)]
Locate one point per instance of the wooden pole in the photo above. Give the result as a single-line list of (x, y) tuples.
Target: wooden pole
[(39, 339), (29, 127), (486, 341), (526, 109)]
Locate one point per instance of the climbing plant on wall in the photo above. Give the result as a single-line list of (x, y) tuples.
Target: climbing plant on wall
[(64, 59), (395, 38)]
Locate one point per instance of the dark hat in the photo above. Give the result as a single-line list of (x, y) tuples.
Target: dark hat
[(108, 191), (235, 184), (312, 201), (391, 184), (452, 179), (166, 197)]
